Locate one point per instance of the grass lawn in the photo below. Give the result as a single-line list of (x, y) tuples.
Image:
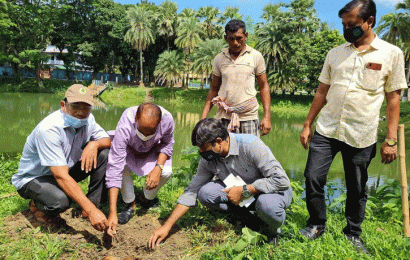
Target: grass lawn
[(211, 235)]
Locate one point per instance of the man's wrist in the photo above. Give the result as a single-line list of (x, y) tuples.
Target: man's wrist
[(391, 141)]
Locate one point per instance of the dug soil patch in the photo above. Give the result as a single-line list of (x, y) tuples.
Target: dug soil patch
[(84, 242)]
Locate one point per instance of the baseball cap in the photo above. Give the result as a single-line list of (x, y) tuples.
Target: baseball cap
[(79, 93)]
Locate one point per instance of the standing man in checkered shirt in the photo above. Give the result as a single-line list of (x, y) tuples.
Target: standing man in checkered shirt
[(233, 84)]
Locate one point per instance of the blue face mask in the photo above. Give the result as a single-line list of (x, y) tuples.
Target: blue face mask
[(75, 122)]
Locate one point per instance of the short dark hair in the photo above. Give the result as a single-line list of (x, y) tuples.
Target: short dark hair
[(151, 109), (234, 25), (208, 130), (367, 9)]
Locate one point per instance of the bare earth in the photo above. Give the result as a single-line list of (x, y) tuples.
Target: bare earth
[(129, 243)]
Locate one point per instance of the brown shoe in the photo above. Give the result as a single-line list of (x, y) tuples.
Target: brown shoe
[(42, 217), (32, 206)]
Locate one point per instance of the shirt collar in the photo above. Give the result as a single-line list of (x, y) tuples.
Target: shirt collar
[(233, 145), (225, 51), (375, 44)]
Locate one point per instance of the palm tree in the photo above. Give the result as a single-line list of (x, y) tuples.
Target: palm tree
[(169, 68), (210, 15), (188, 38), (405, 6), (187, 13), (269, 44), (204, 56), (271, 12), (141, 33), (229, 14), (394, 26), (167, 20)]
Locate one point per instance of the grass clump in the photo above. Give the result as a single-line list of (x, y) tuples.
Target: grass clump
[(31, 86)]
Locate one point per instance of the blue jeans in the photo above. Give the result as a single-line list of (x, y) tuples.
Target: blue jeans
[(322, 151), (269, 207)]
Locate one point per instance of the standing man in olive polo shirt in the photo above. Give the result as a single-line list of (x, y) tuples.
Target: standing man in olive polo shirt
[(355, 79), (233, 84)]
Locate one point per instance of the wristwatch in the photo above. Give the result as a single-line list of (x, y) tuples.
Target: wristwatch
[(160, 166), (246, 193), (391, 142)]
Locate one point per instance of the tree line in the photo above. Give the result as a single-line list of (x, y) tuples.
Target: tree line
[(162, 44)]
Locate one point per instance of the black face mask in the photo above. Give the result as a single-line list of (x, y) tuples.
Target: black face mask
[(210, 155), (352, 35)]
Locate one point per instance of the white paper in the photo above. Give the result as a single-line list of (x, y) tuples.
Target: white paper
[(236, 181)]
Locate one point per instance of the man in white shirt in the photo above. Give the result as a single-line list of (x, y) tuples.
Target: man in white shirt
[(65, 148), (355, 79)]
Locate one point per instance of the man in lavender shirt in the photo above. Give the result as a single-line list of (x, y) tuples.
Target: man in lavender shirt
[(142, 143)]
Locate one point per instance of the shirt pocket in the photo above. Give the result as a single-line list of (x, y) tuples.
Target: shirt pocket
[(371, 79)]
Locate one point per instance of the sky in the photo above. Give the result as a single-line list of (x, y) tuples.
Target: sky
[(327, 10)]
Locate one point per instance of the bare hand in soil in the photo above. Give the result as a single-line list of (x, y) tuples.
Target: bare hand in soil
[(153, 178), (156, 237), (98, 220), (112, 224)]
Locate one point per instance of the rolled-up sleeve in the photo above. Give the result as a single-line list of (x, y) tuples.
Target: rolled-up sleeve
[(116, 158), (275, 178), (50, 151), (203, 175), (167, 141)]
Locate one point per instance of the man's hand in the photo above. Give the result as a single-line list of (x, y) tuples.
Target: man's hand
[(153, 178), (98, 220), (265, 126), (89, 157), (306, 137), (388, 153), (158, 235), (234, 194), (112, 224)]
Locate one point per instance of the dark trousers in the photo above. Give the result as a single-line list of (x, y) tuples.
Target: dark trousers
[(322, 151), (50, 199)]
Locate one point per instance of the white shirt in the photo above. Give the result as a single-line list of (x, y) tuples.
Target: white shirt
[(54, 143), (358, 83)]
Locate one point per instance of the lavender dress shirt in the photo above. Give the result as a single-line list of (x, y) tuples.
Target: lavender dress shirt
[(128, 149)]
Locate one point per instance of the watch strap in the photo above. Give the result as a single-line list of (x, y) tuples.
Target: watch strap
[(391, 142), (160, 166)]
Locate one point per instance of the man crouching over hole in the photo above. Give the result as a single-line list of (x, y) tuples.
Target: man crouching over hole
[(233, 156)]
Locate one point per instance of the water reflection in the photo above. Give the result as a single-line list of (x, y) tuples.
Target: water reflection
[(20, 113)]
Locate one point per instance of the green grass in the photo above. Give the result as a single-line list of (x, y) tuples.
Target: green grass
[(211, 234), (31, 86), (214, 237), (124, 96)]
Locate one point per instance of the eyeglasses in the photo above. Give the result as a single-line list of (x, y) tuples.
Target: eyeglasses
[(77, 107)]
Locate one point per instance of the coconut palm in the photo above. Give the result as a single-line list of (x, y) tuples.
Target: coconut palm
[(404, 6), (167, 20), (203, 58), (393, 26), (188, 38), (141, 33), (169, 68)]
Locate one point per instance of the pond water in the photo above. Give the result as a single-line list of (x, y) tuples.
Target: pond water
[(21, 112)]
